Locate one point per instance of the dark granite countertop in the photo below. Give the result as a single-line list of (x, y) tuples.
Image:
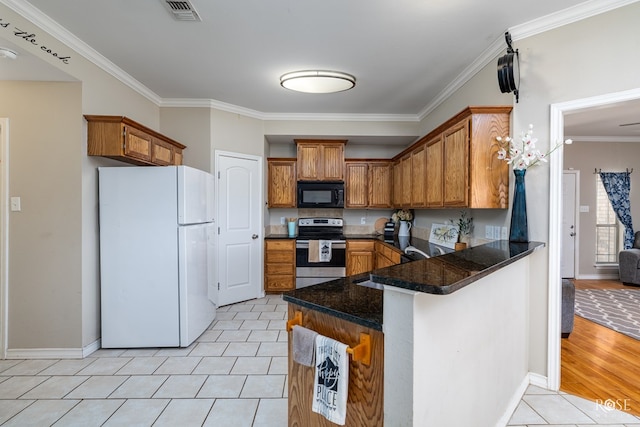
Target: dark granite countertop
[(348, 300), (399, 243)]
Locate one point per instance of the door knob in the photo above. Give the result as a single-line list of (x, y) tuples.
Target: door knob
[(254, 237)]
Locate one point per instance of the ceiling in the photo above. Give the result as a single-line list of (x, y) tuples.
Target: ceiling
[(403, 53)]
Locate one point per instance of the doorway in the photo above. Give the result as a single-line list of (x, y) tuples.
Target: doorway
[(556, 133), (239, 221)]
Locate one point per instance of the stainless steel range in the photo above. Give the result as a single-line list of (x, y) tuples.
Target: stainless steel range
[(330, 231)]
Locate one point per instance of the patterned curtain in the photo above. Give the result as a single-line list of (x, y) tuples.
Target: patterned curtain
[(618, 185)]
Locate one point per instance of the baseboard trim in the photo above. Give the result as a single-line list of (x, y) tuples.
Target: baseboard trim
[(539, 380), (609, 276), (514, 402), (53, 353)]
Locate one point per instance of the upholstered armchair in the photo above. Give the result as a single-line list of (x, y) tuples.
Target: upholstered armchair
[(629, 263)]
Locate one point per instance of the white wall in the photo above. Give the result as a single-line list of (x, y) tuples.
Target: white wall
[(45, 242), (458, 359)]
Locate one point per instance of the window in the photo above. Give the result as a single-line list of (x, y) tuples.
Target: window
[(608, 241)]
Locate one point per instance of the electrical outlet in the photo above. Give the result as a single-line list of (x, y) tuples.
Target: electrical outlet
[(363, 221), (282, 220), (488, 231), (503, 233), (496, 232)]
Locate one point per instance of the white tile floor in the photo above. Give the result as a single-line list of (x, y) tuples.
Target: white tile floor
[(235, 374), (540, 407)]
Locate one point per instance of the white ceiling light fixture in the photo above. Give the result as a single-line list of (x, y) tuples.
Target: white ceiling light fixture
[(317, 81), (7, 53)]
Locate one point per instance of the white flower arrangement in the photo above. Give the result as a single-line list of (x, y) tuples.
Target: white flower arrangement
[(524, 154), (402, 215)]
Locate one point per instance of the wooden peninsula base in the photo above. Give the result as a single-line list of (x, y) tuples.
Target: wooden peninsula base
[(365, 403)]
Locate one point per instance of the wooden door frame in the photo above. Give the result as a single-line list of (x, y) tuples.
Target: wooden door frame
[(556, 133), (4, 235)]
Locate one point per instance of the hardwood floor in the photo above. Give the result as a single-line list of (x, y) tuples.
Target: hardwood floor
[(600, 364)]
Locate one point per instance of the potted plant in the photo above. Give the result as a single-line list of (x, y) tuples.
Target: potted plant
[(465, 228)]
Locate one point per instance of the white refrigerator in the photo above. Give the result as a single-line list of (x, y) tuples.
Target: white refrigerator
[(156, 255)]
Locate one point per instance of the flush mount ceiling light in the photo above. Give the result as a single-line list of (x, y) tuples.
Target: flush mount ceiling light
[(314, 81), (7, 53), (509, 70)]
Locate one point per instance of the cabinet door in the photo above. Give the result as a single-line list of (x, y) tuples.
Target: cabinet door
[(406, 181), (161, 153), (434, 173), (308, 162), (456, 165), (281, 183), (419, 177), (360, 257), (380, 185), (332, 162), (137, 144), (356, 185), (397, 184)]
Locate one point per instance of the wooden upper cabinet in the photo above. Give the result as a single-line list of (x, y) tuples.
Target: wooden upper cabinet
[(419, 177), (356, 184), (320, 160), (461, 162), (406, 181), (434, 172), (121, 138), (281, 183), (455, 167), (380, 184), (368, 183)]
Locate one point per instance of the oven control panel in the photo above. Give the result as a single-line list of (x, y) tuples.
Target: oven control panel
[(320, 222)]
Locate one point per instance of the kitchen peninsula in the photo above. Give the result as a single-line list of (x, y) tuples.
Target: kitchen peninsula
[(452, 332)]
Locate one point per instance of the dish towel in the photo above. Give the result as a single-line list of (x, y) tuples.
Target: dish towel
[(304, 345), (325, 250), (319, 251), (314, 251), (331, 380)]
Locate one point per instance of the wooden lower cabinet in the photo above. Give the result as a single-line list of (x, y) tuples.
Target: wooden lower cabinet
[(279, 265), (360, 256), (386, 256), (365, 404)]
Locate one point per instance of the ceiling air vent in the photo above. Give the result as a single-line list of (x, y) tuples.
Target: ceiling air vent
[(182, 10)]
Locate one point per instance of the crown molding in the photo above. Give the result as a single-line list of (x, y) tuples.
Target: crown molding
[(57, 31), (518, 32), (566, 16)]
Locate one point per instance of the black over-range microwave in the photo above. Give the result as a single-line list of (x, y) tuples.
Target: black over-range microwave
[(320, 194)]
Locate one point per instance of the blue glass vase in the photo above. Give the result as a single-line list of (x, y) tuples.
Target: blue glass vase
[(519, 231)]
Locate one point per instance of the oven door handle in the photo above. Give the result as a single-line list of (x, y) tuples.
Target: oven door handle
[(335, 244)]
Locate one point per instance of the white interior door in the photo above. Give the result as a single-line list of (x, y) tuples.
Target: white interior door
[(569, 224), (239, 221)]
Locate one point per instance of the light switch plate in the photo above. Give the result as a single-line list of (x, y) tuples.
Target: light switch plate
[(15, 204), (584, 208), (363, 221)]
